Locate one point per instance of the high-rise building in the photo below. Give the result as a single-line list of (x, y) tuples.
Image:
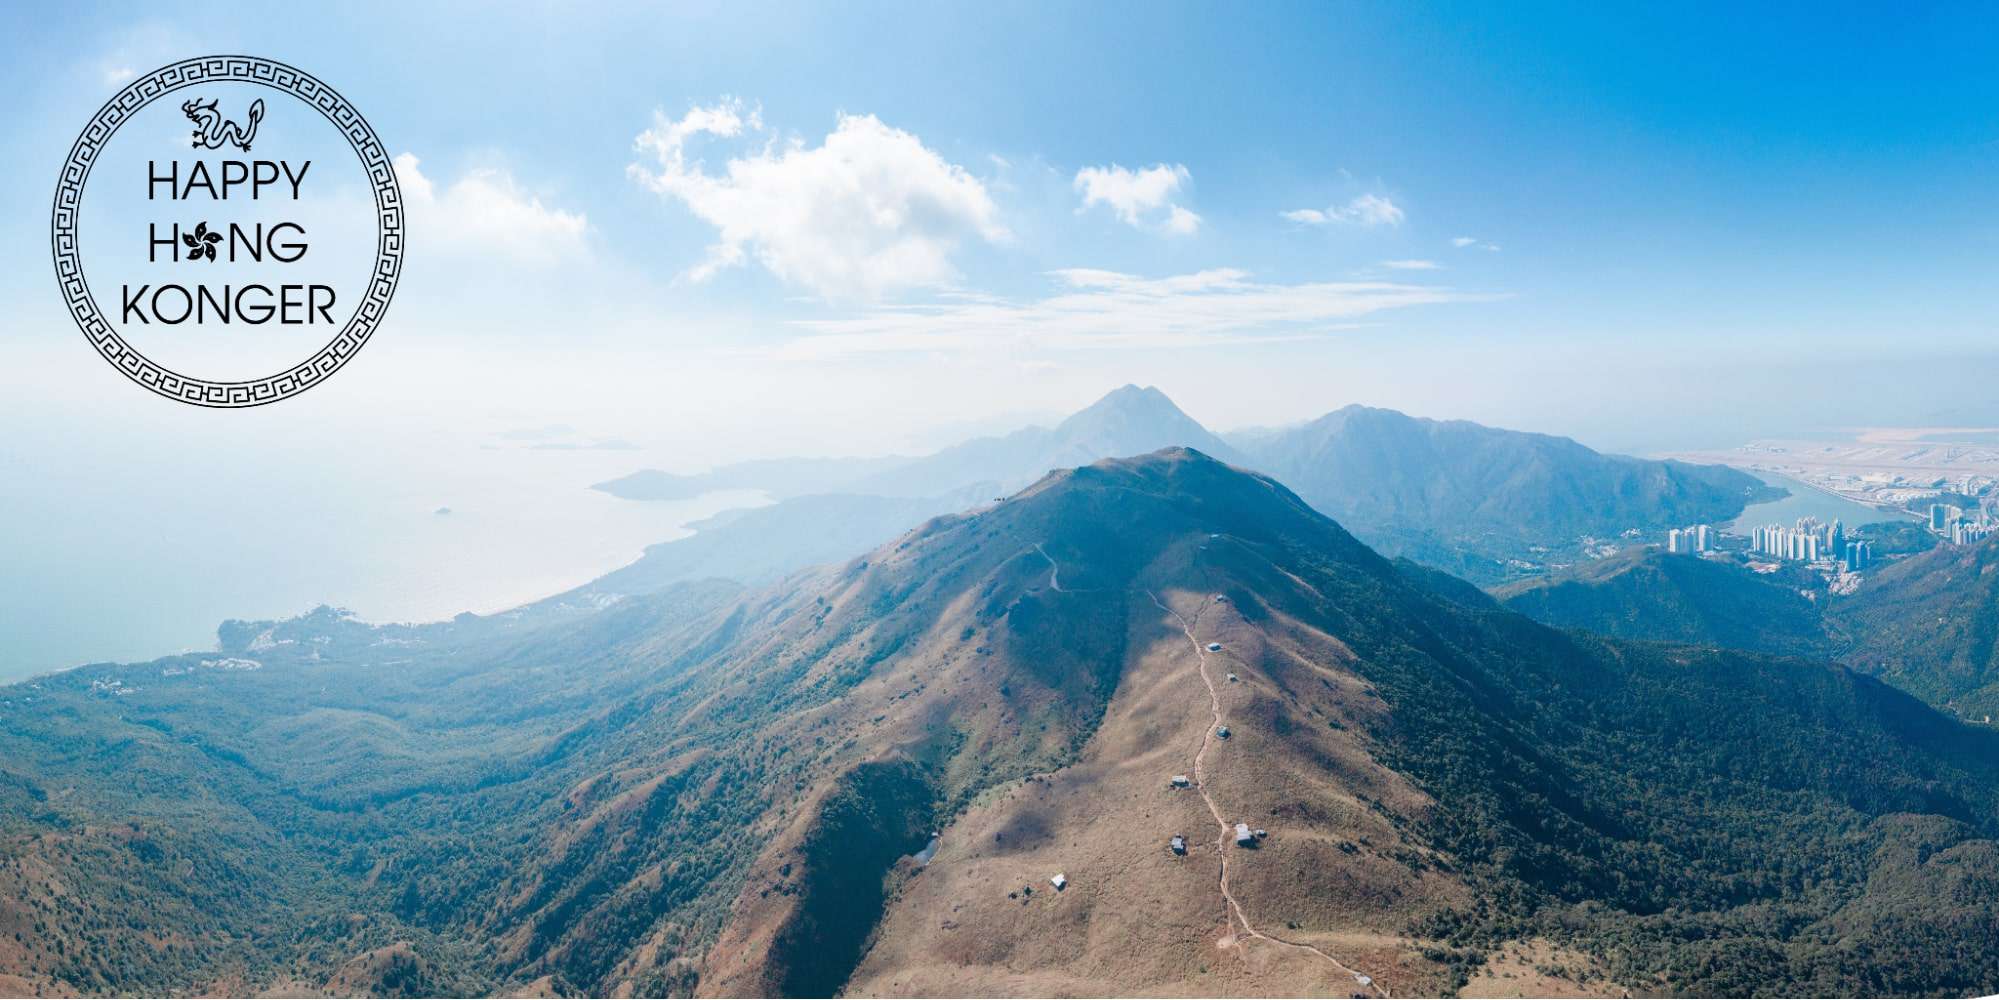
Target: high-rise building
[(1967, 532), (1690, 539), (1941, 516), (1807, 541), (1858, 554)]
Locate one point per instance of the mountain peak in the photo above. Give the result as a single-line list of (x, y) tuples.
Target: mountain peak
[(1132, 398), (1143, 503), (1174, 463), (1133, 420), (1337, 420)]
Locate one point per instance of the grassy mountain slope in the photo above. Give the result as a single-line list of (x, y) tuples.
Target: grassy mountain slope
[(1469, 772), (714, 791)]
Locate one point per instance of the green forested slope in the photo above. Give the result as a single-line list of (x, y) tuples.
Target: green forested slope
[(695, 791)]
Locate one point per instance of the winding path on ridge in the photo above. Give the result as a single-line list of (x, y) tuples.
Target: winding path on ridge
[(1055, 573), (1208, 739)]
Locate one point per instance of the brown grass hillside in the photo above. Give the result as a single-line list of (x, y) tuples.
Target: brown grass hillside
[(716, 792), (1335, 871)]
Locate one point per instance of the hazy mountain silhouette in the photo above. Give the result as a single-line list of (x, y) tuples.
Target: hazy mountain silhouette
[(834, 509), (1484, 504), (1469, 498), (1127, 421), (780, 477)]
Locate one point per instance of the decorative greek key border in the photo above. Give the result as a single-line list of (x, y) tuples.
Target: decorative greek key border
[(388, 214)]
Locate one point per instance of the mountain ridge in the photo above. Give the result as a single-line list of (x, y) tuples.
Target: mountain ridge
[(1129, 420), (1483, 530), (715, 790), (1476, 500)]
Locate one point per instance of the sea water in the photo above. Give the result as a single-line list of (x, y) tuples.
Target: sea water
[(127, 550), (1806, 501)]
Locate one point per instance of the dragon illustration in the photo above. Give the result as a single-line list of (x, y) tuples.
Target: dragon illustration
[(212, 131)]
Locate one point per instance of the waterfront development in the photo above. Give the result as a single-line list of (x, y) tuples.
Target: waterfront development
[(1894, 470)]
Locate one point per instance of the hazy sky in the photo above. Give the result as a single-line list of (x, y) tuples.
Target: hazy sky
[(722, 230)]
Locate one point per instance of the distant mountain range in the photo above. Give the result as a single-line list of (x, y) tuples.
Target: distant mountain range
[(1479, 501), (780, 477), (1128, 421), (720, 791), (830, 510), (1485, 504), (762, 544)]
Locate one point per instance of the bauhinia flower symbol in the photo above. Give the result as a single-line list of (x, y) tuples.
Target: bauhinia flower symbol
[(201, 243)]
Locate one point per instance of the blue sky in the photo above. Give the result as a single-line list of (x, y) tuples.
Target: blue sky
[(1552, 216)]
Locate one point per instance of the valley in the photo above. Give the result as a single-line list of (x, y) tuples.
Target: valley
[(1923, 620)]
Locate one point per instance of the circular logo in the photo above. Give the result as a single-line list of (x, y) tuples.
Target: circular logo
[(235, 233)]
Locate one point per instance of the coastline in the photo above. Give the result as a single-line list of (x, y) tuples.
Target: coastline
[(1803, 494)]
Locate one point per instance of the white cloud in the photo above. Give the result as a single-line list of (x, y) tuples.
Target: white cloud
[(869, 211), (1412, 265), (1462, 242), (1137, 197), (1364, 210), (1112, 310), (484, 213), (116, 75)]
